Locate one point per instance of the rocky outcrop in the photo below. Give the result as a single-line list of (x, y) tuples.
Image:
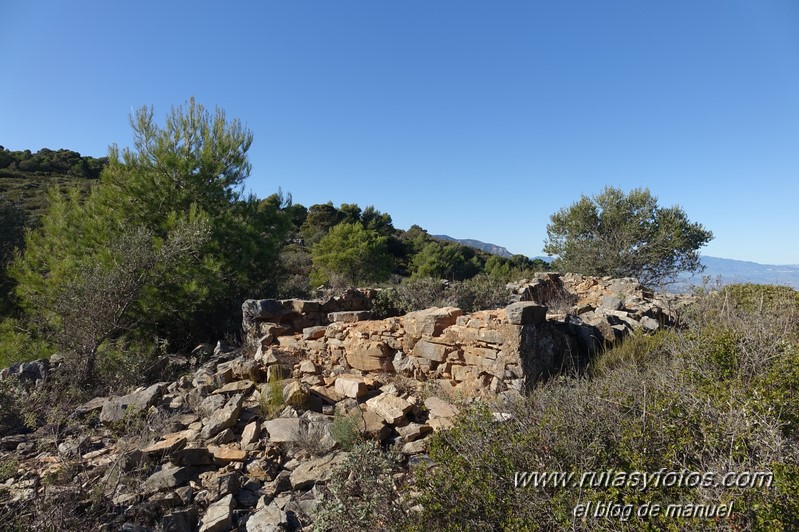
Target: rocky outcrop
[(227, 464), (262, 317), (250, 439)]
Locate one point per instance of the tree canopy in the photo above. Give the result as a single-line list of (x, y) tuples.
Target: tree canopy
[(166, 237), (351, 254), (625, 235)]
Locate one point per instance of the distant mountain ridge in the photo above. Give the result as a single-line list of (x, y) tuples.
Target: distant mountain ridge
[(484, 246), (741, 271), (727, 271)]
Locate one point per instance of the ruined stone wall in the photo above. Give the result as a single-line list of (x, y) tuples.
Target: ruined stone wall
[(489, 351), (245, 449)]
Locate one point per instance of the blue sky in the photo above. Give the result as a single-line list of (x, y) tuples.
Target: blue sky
[(472, 119)]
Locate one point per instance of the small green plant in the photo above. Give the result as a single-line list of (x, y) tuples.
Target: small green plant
[(8, 468), (272, 401), (637, 350), (386, 304), (344, 431)]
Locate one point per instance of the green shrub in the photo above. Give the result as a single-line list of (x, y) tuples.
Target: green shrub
[(481, 292), (386, 303), (422, 293), (351, 255), (760, 298), (718, 397), (363, 494), (8, 468), (639, 351), (272, 401), (19, 344), (344, 431)]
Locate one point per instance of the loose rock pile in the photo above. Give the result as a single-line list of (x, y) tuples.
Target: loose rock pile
[(246, 440)]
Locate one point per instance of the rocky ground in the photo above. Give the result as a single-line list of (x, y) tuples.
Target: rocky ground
[(247, 439)]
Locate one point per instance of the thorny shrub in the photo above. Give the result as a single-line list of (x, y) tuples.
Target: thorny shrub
[(717, 397)]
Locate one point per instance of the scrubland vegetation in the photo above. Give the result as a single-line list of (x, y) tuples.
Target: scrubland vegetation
[(158, 252), (718, 396)]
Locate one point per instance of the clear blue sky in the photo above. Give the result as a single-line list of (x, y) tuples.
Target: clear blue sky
[(472, 119)]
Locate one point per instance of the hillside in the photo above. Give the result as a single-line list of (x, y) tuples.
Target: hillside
[(424, 402), (483, 246), (25, 177), (739, 271), (326, 418), (726, 271)]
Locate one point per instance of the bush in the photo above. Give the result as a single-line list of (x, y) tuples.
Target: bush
[(350, 255), (422, 293), (344, 431), (481, 292), (363, 494), (719, 397), (625, 235), (386, 303), (19, 343)]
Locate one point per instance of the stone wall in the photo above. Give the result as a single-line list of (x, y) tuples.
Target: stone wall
[(265, 316), (243, 450), (488, 351)]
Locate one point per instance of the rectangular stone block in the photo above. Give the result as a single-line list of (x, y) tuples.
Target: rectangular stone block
[(526, 313)]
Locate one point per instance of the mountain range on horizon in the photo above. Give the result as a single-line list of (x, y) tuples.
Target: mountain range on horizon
[(484, 246), (727, 271)]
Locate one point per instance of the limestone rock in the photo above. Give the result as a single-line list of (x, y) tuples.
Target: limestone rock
[(116, 407), (440, 423), (170, 443), (526, 313), (649, 324), (294, 393), (430, 322), (243, 387), (180, 520), (218, 517), (254, 310), (283, 430), (349, 316), (219, 483), (368, 355), (431, 351), (369, 424), (91, 406), (609, 302), (250, 434), (350, 386), (414, 431), (270, 518), (414, 447), (226, 455), (308, 368), (211, 404), (223, 418), (316, 470), (391, 408), (168, 477)]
